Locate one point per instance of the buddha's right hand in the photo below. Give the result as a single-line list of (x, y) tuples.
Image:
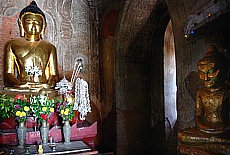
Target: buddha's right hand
[(32, 85), (24, 85)]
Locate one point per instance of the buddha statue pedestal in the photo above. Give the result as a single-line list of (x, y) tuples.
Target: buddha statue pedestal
[(193, 141)]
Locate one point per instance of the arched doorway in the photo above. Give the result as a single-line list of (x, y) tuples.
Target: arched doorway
[(170, 87)]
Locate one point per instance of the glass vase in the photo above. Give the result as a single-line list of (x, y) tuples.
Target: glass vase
[(66, 132), (44, 130), (21, 132)]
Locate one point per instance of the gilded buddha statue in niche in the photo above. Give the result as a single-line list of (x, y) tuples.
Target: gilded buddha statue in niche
[(212, 102), (212, 121), (30, 62)]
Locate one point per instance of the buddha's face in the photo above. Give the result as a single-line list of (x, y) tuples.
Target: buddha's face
[(209, 74), (32, 23)]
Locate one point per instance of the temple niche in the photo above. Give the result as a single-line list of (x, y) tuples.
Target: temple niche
[(209, 84), (211, 131), (72, 31), (52, 42)]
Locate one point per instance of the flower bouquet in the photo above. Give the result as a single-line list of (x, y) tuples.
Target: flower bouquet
[(65, 110), (33, 72), (21, 108), (42, 107)]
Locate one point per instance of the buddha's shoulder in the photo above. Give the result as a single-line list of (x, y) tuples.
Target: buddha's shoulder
[(22, 42), (47, 43), (202, 90), (15, 41)]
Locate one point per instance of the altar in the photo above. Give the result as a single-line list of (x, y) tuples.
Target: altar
[(36, 106), (75, 147)]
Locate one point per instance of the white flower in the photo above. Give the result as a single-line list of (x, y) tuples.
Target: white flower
[(43, 99), (33, 71), (40, 73), (33, 99)]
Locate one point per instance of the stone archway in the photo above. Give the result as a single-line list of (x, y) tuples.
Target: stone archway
[(139, 86)]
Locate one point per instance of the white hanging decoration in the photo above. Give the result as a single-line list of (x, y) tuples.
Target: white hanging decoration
[(82, 101), (75, 72)]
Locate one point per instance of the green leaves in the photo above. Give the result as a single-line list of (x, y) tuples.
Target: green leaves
[(41, 106), (6, 107)]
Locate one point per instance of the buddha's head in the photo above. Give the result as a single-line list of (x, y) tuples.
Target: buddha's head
[(212, 68), (32, 22)]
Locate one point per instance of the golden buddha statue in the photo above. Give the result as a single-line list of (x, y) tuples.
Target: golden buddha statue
[(30, 61), (212, 122), (212, 102)]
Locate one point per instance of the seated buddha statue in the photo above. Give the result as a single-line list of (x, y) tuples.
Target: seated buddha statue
[(212, 121), (212, 102), (30, 62)]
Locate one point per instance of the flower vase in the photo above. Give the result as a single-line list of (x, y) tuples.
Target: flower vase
[(66, 132), (44, 132), (21, 132)]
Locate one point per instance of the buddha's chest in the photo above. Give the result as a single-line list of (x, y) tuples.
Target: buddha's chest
[(32, 55), (214, 101)]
